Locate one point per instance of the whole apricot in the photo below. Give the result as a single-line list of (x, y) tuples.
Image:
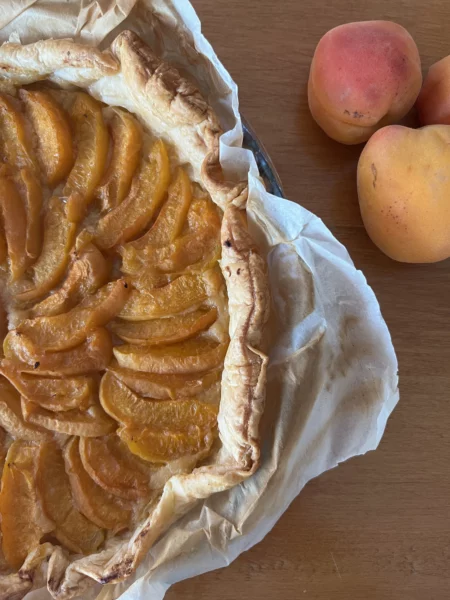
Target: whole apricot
[(433, 103), (363, 76), (404, 192)]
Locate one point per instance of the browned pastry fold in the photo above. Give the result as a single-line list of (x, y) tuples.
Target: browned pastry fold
[(21, 64)]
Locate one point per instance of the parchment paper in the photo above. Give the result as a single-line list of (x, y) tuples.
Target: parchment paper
[(332, 379)]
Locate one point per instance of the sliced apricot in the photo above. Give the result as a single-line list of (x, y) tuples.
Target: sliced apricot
[(133, 215), (52, 486), (15, 142), (59, 235), (92, 144), (179, 262), (167, 227), (92, 355), (15, 226), (171, 219), (21, 522), (11, 418), (209, 259), (128, 408), (49, 393), (186, 251), (100, 507), (191, 356), (185, 292), (127, 143), (149, 279), (79, 535), (90, 422), (158, 447), (53, 135), (165, 331), (31, 192), (65, 331), (198, 248), (113, 467), (72, 529), (202, 212), (163, 386), (88, 271)]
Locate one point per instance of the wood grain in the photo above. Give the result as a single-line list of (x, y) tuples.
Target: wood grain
[(378, 526)]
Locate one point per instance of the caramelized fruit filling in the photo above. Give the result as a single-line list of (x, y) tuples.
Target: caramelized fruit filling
[(111, 367)]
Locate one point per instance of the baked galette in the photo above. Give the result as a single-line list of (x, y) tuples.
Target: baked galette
[(132, 310)]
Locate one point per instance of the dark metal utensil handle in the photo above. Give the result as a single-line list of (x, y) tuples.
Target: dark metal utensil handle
[(265, 165)]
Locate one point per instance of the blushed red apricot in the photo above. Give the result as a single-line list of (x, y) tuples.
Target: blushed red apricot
[(363, 76), (433, 103)]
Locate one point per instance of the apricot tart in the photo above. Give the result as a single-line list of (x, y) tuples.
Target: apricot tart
[(133, 305)]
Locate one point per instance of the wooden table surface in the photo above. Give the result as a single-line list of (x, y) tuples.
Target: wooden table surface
[(378, 526)]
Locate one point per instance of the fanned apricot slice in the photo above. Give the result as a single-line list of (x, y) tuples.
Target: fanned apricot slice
[(184, 252), (150, 279), (31, 192), (92, 355), (52, 394), (162, 386), (209, 259), (171, 219), (15, 142), (202, 211), (147, 192), (128, 408), (15, 226), (90, 422), (158, 431), (177, 262), (68, 330), (53, 136), (198, 248), (53, 488), (59, 235), (100, 507), (167, 227), (22, 524), (11, 418), (157, 447), (92, 143), (72, 528), (192, 356), (165, 331), (89, 271), (127, 143), (113, 467), (187, 291)]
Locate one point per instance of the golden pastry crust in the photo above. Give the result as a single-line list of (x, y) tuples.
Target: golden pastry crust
[(244, 375), (178, 104), (81, 64), (166, 101)]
